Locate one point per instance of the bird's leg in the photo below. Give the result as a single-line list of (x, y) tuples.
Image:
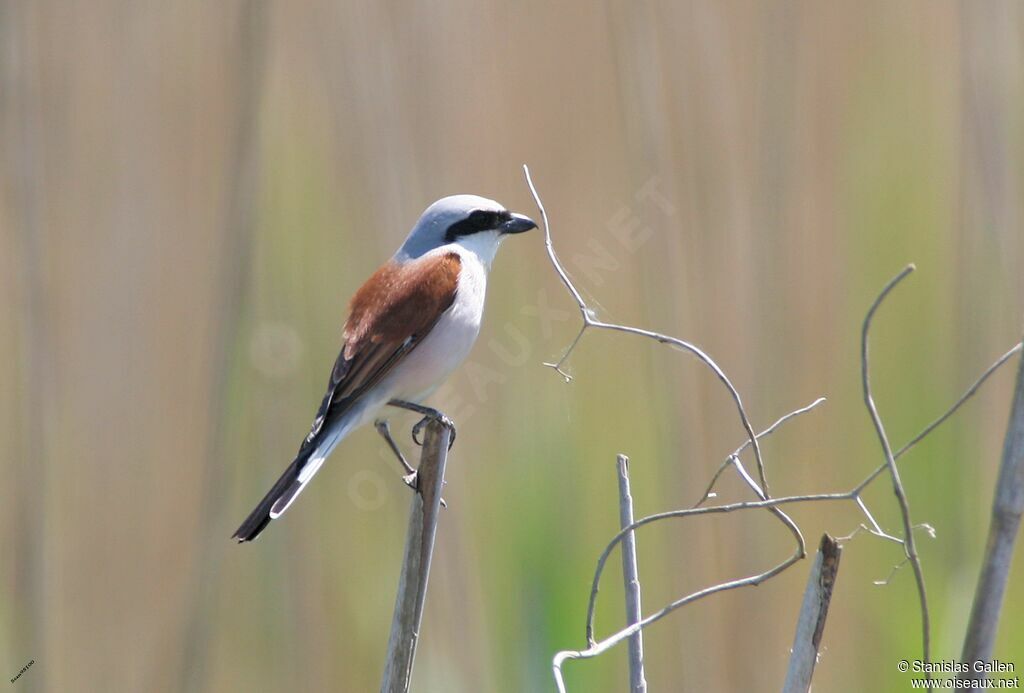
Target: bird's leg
[(428, 415), (411, 476), (385, 431)]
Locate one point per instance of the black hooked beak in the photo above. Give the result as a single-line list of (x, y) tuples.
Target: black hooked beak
[(517, 224)]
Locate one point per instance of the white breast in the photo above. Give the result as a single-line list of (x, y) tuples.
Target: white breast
[(451, 339)]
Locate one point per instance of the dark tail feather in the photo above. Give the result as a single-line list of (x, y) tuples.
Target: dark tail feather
[(285, 486)]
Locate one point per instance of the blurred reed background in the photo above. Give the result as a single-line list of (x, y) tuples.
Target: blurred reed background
[(192, 190)]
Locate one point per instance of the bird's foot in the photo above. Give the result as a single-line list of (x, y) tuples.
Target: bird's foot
[(429, 414), (412, 481), (441, 419)]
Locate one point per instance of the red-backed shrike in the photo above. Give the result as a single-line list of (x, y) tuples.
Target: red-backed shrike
[(412, 322)]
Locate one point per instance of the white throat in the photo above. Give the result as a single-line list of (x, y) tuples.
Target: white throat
[(483, 244)]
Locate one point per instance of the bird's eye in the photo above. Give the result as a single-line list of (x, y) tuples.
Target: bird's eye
[(478, 220), (482, 220)]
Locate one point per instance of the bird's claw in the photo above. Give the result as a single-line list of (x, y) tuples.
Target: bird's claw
[(441, 419), (412, 480), (416, 430)]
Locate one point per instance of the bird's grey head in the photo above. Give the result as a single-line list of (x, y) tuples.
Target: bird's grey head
[(475, 223)]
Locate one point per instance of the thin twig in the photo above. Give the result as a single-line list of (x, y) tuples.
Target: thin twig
[(909, 544), (948, 413), (598, 648), (811, 623), (1007, 508), (771, 503), (419, 548), (746, 444), (590, 320), (595, 648), (892, 573), (631, 580)]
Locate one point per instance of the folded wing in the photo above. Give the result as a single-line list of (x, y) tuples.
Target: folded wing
[(389, 316)]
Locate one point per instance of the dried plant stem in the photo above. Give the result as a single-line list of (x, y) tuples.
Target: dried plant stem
[(1007, 508), (609, 642), (419, 548), (736, 453), (811, 623), (909, 545), (631, 580), (760, 487), (590, 321), (948, 413), (596, 648)]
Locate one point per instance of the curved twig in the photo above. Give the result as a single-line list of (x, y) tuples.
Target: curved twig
[(590, 320), (598, 648), (909, 545), (746, 444), (948, 413), (765, 501)]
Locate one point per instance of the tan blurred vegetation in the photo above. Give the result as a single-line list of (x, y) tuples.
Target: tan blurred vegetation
[(192, 190)]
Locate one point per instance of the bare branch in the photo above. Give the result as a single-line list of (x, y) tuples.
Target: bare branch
[(596, 648), (811, 622), (1007, 508), (765, 501), (555, 262), (770, 503), (419, 548), (897, 484), (766, 432), (631, 581), (963, 398), (892, 573), (948, 413), (600, 647), (590, 320)]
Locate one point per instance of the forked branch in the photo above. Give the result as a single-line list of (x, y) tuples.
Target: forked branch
[(590, 320), (760, 487)]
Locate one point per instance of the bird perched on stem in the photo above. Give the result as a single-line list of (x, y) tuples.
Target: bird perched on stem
[(410, 325)]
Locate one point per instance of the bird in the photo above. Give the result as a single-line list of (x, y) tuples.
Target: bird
[(409, 327)]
